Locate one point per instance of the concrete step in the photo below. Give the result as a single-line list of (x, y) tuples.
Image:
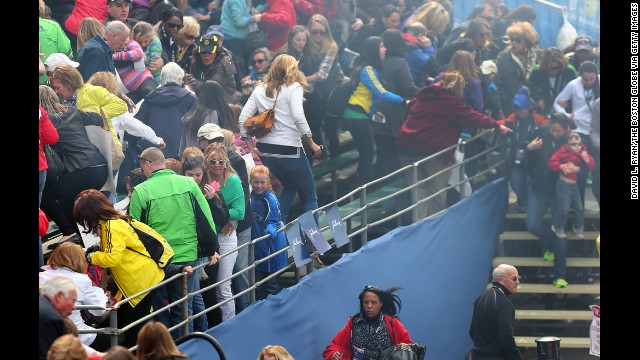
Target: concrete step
[(550, 289), (567, 342), (554, 315), (539, 261), (525, 235), (588, 215)]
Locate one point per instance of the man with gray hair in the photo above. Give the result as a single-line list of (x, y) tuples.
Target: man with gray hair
[(493, 318), (97, 53), (164, 107), (174, 206), (58, 297)]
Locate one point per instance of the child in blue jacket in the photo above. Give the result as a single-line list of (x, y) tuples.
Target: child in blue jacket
[(266, 220)]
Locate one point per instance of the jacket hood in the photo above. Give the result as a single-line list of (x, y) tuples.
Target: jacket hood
[(167, 95)]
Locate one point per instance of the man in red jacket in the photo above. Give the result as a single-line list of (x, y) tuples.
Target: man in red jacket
[(277, 20)]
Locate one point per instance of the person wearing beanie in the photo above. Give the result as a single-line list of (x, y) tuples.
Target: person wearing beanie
[(523, 121)]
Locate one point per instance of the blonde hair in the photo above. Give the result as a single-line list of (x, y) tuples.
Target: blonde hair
[(50, 101), (67, 347), (142, 28), (524, 30), (89, 27), (275, 350), (261, 170), (328, 44), (229, 139), (69, 255), (106, 79), (218, 148), (452, 81), (190, 26), (154, 339), (284, 70), (433, 16), (572, 136)]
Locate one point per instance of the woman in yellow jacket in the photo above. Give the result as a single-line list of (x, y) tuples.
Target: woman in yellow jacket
[(121, 251)]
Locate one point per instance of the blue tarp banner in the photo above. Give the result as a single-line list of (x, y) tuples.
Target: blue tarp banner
[(442, 264)]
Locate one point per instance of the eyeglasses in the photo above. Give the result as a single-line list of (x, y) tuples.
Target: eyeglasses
[(517, 40), (318, 32), (372, 288), (259, 61), (214, 162), (193, 160), (190, 37), (174, 25), (554, 68), (575, 144), (513, 278), (143, 159)]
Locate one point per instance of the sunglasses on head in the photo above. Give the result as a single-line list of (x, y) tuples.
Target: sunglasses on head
[(372, 288), (214, 162), (174, 25), (318, 32), (192, 160)]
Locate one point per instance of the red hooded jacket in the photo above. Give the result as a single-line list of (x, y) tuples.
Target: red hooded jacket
[(47, 135), (565, 154), (278, 19), (434, 120)]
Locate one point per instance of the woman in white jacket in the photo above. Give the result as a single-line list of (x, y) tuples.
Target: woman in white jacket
[(68, 260), (281, 150)]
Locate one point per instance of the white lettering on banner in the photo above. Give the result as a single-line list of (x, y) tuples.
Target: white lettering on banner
[(594, 331), (634, 16)]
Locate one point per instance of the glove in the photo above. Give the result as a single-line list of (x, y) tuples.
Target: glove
[(90, 250), (89, 256)]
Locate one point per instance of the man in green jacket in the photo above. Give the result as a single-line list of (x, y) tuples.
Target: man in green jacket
[(174, 206)]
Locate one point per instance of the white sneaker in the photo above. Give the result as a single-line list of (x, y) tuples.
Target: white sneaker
[(579, 232), (559, 232)]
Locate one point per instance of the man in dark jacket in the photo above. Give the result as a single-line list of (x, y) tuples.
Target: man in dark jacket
[(97, 53), (164, 107), (57, 300), (493, 317)]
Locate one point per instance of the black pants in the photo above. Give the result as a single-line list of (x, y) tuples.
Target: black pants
[(128, 314), (145, 87)]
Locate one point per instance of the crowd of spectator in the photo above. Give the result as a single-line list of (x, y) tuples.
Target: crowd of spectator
[(172, 82)]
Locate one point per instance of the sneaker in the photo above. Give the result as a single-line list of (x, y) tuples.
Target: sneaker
[(560, 283), (548, 256), (579, 232), (559, 232)]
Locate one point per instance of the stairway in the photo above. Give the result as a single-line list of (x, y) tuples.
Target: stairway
[(541, 308)]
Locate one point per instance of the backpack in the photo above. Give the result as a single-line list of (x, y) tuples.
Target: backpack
[(158, 248), (339, 98)]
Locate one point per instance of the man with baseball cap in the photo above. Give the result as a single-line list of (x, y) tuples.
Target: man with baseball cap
[(56, 59), (209, 133), (119, 10), (584, 51)]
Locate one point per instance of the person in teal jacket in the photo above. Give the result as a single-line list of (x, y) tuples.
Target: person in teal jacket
[(174, 206)]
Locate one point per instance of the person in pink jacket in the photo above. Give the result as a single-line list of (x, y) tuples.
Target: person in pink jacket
[(277, 20), (565, 160), (360, 338)]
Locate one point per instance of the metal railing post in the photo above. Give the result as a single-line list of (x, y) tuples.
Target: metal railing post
[(252, 273), (413, 179), (363, 215), (185, 305)]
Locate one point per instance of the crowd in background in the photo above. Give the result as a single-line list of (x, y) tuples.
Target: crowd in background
[(141, 92)]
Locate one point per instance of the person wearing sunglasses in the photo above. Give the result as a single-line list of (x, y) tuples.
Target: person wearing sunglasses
[(374, 328), (493, 318), (168, 31), (219, 169), (516, 62), (259, 64), (212, 61), (548, 78), (186, 39)]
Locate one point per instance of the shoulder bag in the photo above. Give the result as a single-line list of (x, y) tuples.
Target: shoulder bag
[(403, 351), (54, 163), (261, 124)]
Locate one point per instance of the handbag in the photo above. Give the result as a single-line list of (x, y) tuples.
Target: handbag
[(261, 124), (404, 352), (54, 162)]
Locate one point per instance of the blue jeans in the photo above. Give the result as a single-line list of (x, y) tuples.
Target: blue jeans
[(241, 283), (568, 196), (518, 181), (537, 206), (296, 178), (362, 133), (174, 292), (200, 323)]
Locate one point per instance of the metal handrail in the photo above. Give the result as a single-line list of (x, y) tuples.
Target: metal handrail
[(497, 144)]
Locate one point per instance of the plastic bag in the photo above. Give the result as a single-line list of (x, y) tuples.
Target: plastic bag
[(567, 33)]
